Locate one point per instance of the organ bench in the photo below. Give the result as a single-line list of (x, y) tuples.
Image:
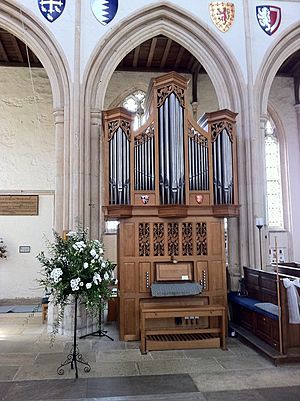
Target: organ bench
[(165, 326)]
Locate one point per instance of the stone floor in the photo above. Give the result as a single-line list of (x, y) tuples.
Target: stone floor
[(28, 370)]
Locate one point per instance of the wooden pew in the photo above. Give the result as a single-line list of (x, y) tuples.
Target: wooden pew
[(261, 287)]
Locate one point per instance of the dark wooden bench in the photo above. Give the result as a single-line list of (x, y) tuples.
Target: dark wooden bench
[(261, 287)]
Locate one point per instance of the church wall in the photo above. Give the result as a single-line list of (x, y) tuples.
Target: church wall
[(282, 99), (27, 163), (20, 271), (92, 31)]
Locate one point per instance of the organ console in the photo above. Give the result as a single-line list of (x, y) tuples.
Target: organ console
[(170, 184)]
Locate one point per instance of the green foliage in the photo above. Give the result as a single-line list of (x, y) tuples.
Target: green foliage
[(76, 267)]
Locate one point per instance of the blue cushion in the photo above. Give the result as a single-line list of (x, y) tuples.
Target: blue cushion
[(250, 303)]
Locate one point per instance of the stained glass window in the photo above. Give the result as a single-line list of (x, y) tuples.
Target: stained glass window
[(273, 176), (135, 103)]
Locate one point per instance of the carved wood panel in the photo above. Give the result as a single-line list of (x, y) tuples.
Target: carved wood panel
[(144, 239), (201, 238), (173, 239)]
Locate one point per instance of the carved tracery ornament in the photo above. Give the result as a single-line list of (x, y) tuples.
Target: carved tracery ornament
[(173, 239), (197, 136), (187, 239), (164, 92), (158, 239), (144, 239), (114, 125), (147, 134), (201, 238), (217, 128)]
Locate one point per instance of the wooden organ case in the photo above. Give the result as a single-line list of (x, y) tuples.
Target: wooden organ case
[(170, 184)]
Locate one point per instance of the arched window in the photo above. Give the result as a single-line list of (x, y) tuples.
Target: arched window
[(135, 103), (273, 177)]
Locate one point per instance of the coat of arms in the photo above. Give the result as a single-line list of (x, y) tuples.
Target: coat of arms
[(104, 10), (51, 9), (145, 199), (269, 18), (222, 14), (199, 199)]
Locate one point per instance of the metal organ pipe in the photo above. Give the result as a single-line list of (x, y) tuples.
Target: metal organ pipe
[(119, 169), (171, 151), (223, 169)]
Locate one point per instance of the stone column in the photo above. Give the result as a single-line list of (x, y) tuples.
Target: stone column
[(95, 174), (234, 268), (60, 161), (195, 110), (297, 108)]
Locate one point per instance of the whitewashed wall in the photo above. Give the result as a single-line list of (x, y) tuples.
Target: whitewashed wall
[(282, 99), (27, 163), (20, 271)]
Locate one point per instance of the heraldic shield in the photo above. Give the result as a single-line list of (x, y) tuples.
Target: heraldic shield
[(104, 10), (269, 18), (51, 9), (222, 14)]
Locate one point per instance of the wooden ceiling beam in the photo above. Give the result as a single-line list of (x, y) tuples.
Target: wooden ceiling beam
[(179, 57), (18, 51), (3, 54), (166, 53), (151, 52), (190, 62), (295, 70), (136, 56)]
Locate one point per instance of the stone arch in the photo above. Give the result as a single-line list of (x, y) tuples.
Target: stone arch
[(24, 25), (170, 21), (184, 28), (283, 47), (27, 28)]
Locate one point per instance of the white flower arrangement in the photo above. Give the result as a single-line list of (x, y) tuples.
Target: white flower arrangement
[(76, 266)]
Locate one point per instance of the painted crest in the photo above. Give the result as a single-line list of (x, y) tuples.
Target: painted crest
[(269, 18), (222, 14), (51, 9), (104, 10), (199, 199), (145, 199)]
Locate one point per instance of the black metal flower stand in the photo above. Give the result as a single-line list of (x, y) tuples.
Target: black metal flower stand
[(75, 355)]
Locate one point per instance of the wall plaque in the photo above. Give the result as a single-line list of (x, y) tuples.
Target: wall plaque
[(19, 205)]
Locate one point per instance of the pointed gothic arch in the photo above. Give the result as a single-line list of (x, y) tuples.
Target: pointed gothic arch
[(184, 28), (286, 44), (23, 24), (171, 21)]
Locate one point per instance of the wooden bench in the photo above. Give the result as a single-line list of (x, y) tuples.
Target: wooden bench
[(261, 287), (182, 327)]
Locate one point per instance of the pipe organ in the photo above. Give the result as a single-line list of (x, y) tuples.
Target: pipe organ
[(170, 184)]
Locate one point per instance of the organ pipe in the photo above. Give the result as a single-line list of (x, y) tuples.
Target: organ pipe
[(171, 151), (119, 169)]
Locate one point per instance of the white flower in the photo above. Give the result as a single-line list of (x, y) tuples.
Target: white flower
[(71, 234), (97, 278), (55, 274), (93, 252), (75, 283), (101, 250), (85, 265), (81, 283), (88, 285), (106, 276), (103, 264), (79, 246)]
